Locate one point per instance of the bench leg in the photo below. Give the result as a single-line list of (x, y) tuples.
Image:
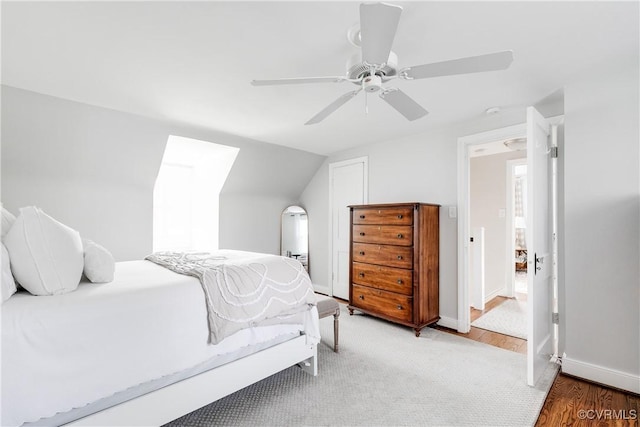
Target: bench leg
[(335, 330)]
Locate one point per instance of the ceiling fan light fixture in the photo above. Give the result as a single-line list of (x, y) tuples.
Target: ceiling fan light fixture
[(372, 83)]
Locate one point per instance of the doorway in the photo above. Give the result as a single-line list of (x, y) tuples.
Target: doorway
[(496, 207), (541, 143)]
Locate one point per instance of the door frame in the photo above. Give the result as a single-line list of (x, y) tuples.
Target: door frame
[(365, 199)]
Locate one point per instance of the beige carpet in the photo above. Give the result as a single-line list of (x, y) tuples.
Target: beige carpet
[(385, 376)]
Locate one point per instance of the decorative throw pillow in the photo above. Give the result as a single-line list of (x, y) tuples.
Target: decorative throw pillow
[(8, 284), (7, 221), (99, 264), (46, 255)]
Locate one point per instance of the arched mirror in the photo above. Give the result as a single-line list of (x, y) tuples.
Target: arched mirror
[(294, 242)]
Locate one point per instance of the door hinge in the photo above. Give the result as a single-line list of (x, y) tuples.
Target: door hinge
[(554, 152), (555, 318)]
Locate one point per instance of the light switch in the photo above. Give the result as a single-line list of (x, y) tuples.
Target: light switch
[(453, 212), (502, 213)]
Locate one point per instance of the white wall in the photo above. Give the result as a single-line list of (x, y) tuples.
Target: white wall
[(94, 170), (488, 194), (602, 211)]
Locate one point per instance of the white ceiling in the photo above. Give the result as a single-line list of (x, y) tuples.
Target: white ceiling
[(192, 62)]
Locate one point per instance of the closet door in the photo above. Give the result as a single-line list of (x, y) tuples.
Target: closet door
[(347, 186)]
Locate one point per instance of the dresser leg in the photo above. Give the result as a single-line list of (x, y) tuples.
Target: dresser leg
[(350, 311), (418, 330)]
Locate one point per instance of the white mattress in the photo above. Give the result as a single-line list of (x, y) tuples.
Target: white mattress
[(66, 351)]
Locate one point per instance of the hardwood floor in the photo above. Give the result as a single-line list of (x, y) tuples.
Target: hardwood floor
[(575, 402), (489, 337), (571, 401)]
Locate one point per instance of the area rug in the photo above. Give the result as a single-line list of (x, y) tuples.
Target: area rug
[(509, 318), (385, 376)]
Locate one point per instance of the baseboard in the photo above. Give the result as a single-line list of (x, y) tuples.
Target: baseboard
[(492, 295), (448, 322), (322, 289), (602, 375)]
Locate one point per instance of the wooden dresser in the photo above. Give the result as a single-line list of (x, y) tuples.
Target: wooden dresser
[(394, 268)]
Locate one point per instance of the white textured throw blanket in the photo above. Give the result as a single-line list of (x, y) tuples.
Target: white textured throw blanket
[(245, 289)]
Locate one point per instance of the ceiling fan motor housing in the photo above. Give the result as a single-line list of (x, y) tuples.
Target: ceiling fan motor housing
[(357, 68)]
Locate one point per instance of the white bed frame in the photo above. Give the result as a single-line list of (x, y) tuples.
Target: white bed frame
[(166, 404)]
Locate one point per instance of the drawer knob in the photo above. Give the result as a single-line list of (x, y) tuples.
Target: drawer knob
[(400, 236), (399, 257), (400, 216), (361, 296), (361, 252), (399, 281), (362, 233), (399, 307), (361, 216), (361, 274)]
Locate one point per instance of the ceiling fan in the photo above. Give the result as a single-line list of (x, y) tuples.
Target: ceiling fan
[(377, 64)]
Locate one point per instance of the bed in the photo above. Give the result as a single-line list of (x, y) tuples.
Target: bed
[(138, 350)]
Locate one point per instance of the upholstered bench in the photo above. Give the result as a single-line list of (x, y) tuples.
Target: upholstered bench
[(328, 306)]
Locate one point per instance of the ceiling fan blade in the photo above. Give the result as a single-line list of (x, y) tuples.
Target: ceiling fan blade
[(378, 25), (473, 64), (332, 107), (298, 80), (403, 104)]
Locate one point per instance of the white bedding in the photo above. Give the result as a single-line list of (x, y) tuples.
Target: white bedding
[(65, 351)]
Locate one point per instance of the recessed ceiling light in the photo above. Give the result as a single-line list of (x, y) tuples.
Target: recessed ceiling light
[(492, 110)]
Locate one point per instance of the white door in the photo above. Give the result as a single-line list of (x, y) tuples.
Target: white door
[(539, 246), (348, 187)]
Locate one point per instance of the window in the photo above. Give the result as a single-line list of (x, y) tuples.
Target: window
[(186, 194)]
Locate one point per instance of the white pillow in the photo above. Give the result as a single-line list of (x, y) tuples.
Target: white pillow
[(8, 284), (46, 255), (7, 221), (99, 265)]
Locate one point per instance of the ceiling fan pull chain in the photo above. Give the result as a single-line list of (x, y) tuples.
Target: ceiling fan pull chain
[(366, 103)]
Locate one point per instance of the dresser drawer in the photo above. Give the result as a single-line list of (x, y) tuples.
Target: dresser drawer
[(387, 278), (387, 303), (392, 256), (401, 235), (390, 216)]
